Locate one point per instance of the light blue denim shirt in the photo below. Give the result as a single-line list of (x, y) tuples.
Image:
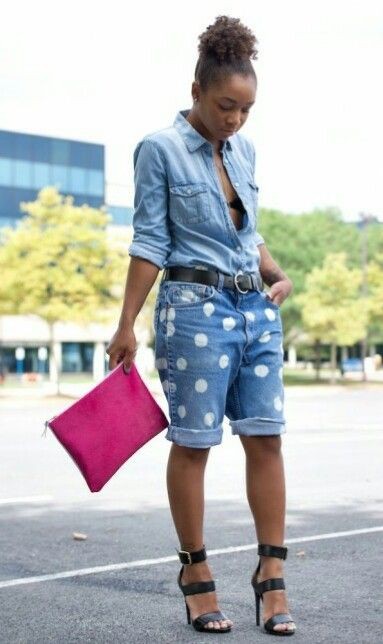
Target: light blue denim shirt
[(180, 212)]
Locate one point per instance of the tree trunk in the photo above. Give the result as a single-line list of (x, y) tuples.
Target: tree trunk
[(317, 359), (333, 363), (54, 367)]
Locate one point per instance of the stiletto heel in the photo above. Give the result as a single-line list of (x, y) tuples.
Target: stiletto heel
[(274, 583), (199, 622)]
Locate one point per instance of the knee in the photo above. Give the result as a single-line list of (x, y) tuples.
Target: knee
[(262, 446)]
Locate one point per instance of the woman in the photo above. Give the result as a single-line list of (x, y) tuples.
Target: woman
[(218, 340)]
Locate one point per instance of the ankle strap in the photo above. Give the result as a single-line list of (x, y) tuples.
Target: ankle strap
[(192, 557), (272, 551)]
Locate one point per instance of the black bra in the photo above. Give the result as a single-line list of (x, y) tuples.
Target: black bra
[(237, 204)]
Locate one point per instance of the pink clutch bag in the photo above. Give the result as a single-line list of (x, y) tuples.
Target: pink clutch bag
[(101, 430)]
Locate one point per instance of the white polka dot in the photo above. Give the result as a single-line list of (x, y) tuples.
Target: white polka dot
[(270, 314), (170, 328), (208, 309), (278, 403), (200, 385), (228, 323), (181, 411), (161, 363), (171, 313), (261, 370), (165, 385), (162, 314), (181, 363), (265, 337), (280, 373), (250, 315), (172, 387), (223, 361), (188, 296), (200, 339), (209, 418)]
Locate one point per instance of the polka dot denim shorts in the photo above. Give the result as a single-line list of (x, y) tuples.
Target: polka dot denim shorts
[(218, 352)]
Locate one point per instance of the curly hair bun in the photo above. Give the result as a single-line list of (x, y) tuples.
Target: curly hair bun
[(228, 40)]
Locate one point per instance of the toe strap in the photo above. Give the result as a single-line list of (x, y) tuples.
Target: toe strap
[(205, 618), (279, 618)]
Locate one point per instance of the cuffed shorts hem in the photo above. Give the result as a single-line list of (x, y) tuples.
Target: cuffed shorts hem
[(201, 438), (257, 426)]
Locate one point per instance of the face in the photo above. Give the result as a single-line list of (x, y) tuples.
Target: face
[(224, 108)]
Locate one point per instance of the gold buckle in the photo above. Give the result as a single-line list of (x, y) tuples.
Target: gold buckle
[(184, 552), (236, 283)]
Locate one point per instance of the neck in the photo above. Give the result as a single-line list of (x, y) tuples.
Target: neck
[(196, 122)]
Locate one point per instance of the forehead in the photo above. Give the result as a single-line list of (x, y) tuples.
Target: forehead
[(236, 89)]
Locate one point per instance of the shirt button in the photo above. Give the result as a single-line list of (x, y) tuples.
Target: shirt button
[(238, 248), (189, 190), (236, 184)]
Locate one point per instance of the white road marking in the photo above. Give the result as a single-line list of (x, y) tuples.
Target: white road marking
[(26, 499), (151, 562)]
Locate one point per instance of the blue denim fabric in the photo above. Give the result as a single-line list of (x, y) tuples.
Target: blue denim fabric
[(180, 212), (218, 352)]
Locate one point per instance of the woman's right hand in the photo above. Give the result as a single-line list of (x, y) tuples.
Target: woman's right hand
[(123, 346)]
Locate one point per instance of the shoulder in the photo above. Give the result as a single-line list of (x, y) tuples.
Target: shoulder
[(159, 140)]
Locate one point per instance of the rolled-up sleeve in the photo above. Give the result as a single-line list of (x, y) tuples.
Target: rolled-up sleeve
[(258, 238), (151, 238)]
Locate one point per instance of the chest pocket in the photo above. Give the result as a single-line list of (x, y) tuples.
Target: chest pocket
[(189, 203)]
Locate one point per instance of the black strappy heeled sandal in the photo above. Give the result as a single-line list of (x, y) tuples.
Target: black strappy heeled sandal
[(274, 583), (199, 622)]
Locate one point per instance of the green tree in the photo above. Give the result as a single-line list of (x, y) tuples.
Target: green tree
[(60, 265), (332, 309)]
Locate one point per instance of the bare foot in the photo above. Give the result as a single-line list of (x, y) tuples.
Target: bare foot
[(202, 602)]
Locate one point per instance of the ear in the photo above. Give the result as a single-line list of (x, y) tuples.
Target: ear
[(195, 90)]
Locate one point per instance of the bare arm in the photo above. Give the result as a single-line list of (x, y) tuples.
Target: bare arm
[(281, 285), (139, 280)]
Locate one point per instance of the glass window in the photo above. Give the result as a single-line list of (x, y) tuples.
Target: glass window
[(96, 157), (23, 146), (78, 180), (23, 174), (8, 204), (60, 151), (5, 172), (79, 154), (60, 177), (96, 183), (7, 144), (41, 149), (41, 175)]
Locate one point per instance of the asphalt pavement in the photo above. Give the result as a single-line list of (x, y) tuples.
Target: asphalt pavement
[(119, 583)]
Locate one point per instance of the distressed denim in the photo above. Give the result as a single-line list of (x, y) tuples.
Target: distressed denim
[(218, 352), (180, 212)]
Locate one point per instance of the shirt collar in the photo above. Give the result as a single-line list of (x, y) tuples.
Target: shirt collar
[(193, 139)]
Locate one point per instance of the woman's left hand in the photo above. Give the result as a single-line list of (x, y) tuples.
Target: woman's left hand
[(279, 291)]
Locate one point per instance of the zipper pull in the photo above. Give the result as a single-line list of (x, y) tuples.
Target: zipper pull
[(46, 425)]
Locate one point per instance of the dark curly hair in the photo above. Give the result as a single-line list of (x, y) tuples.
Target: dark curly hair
[(225, 48)]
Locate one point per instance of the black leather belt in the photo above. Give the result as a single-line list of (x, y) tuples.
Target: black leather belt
[(242, 282)]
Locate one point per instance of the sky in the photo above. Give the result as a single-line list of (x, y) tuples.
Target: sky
[(111, 72)]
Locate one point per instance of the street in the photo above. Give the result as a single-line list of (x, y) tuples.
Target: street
[(119, 584)]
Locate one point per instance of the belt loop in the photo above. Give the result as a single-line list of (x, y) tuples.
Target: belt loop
[(221, 278)]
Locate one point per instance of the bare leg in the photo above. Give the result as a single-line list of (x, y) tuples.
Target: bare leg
[(266, 494), (185, 483)]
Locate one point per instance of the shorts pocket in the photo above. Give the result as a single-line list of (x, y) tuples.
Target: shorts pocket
[(189, 203), (188, 294)]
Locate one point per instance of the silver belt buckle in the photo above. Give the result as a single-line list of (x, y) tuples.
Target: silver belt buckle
[(236, 283)]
